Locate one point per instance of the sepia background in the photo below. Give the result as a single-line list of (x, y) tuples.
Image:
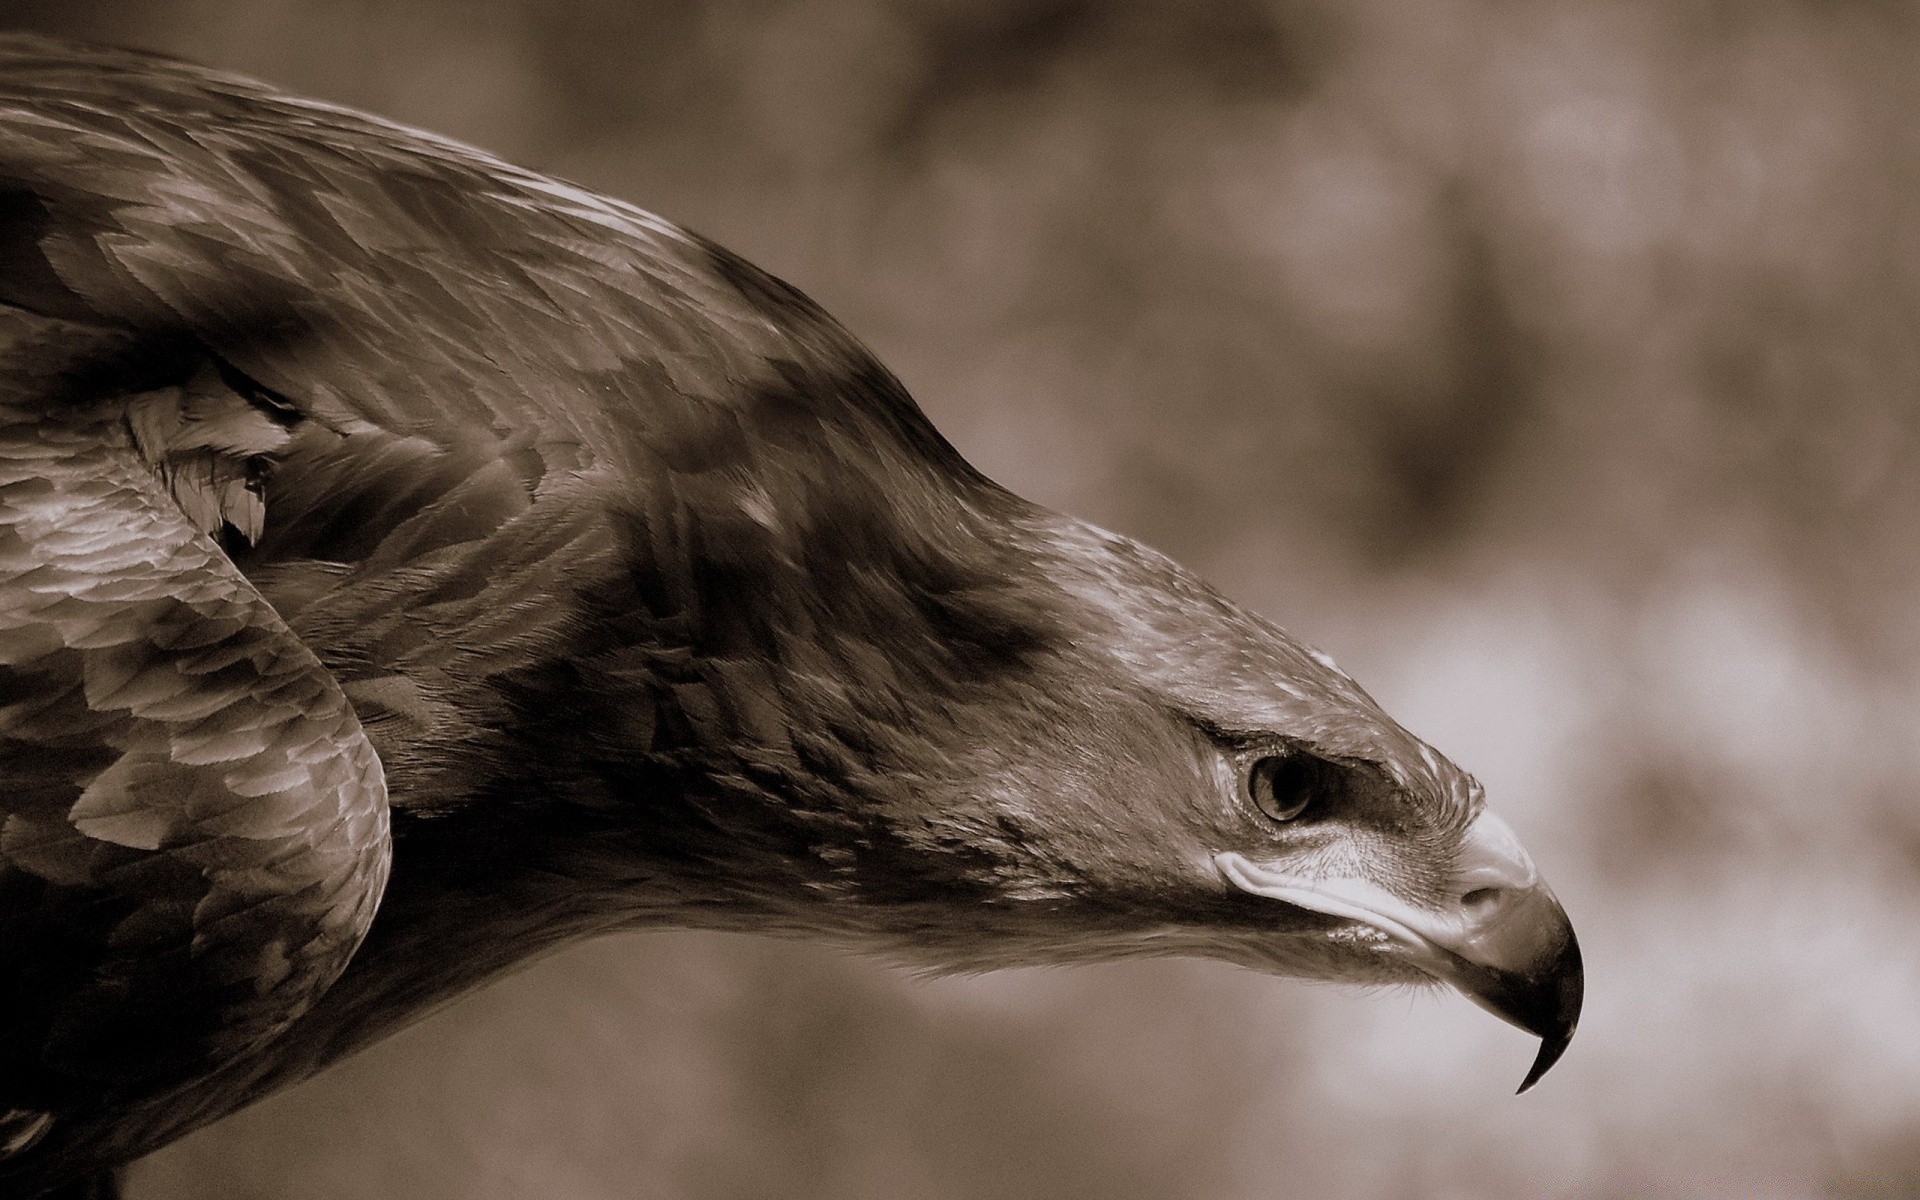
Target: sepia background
[(1554, 365)]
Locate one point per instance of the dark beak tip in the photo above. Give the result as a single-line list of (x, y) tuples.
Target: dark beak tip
[(1551, 1048), (1566, 981)]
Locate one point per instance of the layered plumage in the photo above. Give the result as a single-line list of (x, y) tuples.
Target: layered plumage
[(353, 479)]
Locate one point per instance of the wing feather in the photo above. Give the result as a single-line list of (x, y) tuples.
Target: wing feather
[(193, 835)]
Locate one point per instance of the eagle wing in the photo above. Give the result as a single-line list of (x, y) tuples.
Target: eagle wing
[(193, 827), (304, 413)]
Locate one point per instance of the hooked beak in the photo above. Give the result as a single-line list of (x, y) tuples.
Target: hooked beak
[(1505, 943)]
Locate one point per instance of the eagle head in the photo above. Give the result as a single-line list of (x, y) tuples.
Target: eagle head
[(1072, 749), (1250, 802)]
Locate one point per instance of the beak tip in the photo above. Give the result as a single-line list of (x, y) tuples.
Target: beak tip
[(1566, 984), (1536, 983), (1551, 1048)]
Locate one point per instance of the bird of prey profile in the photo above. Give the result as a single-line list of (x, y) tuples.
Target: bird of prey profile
[(410, 563)]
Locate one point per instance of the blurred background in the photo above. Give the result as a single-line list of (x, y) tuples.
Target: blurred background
[(1554, 365)]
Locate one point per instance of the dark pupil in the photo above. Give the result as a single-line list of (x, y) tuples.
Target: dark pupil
[(1283, 785)]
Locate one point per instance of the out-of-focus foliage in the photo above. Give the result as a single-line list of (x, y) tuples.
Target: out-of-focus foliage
[(1556, 365)]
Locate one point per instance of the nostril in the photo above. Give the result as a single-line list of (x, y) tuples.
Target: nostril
[(1481, 901)]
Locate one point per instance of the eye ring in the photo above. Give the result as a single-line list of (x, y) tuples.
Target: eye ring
[(1281, 786)]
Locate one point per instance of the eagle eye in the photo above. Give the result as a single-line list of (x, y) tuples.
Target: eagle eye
[(1281, 785)]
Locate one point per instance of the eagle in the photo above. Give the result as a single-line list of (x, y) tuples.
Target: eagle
[(411, 563)]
